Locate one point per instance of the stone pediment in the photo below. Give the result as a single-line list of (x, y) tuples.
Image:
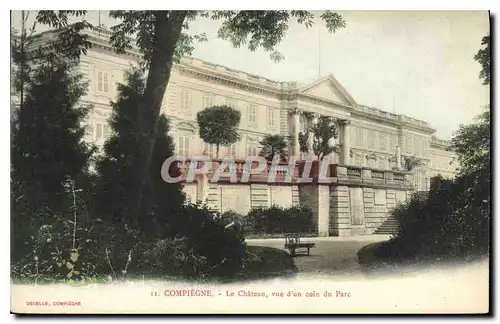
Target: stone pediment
[(328, 88), (186, 126), (253, 138)]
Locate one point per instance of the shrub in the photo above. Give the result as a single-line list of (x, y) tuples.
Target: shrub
[(444, 223), (246, 223), (281, 220), (169, 257), (97, 252), (207, 245)]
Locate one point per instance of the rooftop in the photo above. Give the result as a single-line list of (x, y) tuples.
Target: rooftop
[(102, 33)]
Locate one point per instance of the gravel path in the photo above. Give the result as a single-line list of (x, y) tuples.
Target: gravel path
[(332, 255)]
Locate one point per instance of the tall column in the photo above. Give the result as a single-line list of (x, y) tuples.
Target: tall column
[(398, 157), (346, 145), (399, 152), (296, 130)]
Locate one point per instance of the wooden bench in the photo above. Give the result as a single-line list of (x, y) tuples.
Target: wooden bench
[(292, 243)]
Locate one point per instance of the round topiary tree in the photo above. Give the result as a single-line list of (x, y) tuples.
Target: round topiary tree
[(219, 125)]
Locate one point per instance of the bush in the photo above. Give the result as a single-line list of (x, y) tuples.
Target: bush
[(444, 223), (50, 255), (280, 220), (245, 223), (169, 257), (207, 246)]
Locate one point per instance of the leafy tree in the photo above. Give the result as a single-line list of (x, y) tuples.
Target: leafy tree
[(304, 141), (453, 220), (483, 57), (115, 167), (162, 37), (47, 147), (471, 143), (48, 144), (29, 50), (411, 162), (273, 145), (323, 130), (219, 125)]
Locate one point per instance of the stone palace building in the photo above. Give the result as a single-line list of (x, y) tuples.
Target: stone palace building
[(369, 138)]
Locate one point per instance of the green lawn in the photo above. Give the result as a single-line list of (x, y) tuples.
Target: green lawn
[(388, 257), (267, 262), (263, 263)]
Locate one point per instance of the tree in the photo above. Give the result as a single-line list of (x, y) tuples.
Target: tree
[(273, 145), (161, 39), (164, 200), (411, 162), (219, 125), (483, 57), (27, 51), (454, 218), (47, 147), (324, 129), (48, 131), (471, 143)]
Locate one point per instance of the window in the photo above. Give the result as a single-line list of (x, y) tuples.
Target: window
[(394, 142), (418, 147), (185, 101), (371, 139), (359, 136), (89, 130), (383, 141), (209, 149), (231, 150), (358, 161), (382, 164), (379, 197), (252, 114), (271, 118), (106, 131), (425, 148), (98, 131), (102, 82), (302, 123), (231, 103), (411, 148), (356, 197), (208, 101), (252, 150), (183, 145)]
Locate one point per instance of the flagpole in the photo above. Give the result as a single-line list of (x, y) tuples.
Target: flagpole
[(319, 52)]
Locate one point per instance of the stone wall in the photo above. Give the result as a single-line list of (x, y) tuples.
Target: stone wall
[(309, 196), (356, 202), (241, 198), (359, 210), (340, 219)]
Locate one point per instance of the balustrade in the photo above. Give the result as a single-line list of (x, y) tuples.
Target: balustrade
[(399, 176), (378, 175), (353, 172), (336, 173)]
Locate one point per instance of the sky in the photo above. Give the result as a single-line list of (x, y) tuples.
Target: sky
[(417, 63)]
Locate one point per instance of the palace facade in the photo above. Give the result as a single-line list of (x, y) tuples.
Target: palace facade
[(369, 135), (372, 143)]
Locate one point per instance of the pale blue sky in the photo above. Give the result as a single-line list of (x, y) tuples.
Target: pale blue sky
[(417, 63)]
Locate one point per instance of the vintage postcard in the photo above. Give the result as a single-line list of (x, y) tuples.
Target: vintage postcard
[(250, 162)]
